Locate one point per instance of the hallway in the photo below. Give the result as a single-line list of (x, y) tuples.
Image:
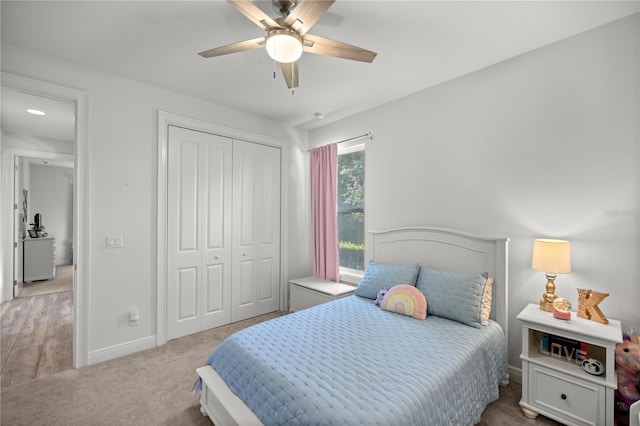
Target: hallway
[(37, 330)]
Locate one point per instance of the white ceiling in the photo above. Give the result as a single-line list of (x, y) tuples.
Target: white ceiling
[(419, 44), (57, 124)]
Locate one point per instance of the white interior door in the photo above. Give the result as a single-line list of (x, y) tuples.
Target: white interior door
[(199, 231), (19, 220), (256, 230)]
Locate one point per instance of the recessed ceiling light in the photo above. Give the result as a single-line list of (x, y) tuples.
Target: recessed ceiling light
[(35, 111)]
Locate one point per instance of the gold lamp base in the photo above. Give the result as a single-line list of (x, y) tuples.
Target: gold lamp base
[(546, 306), (546, 302)]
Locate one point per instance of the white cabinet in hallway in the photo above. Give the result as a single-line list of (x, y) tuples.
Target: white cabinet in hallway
[(39, 259)]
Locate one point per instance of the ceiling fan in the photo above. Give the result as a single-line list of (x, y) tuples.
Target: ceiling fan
[(287, 36)]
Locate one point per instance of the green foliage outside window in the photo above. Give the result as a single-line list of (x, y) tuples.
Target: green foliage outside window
[(351, 255), (351, 210)]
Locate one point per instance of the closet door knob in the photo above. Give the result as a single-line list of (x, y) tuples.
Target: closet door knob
[(563, 396), (244, 253), (216, 257)]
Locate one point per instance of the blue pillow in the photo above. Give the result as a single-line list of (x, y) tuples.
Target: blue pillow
[(453, 295), (379, 276)]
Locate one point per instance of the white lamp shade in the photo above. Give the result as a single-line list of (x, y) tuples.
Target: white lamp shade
[(284, 46), (551, 256)]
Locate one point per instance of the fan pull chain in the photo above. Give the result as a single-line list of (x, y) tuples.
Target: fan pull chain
[(274, 60)]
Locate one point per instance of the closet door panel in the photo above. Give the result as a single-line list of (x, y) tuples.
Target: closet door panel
[(198, 231), (267, 290), (187, 195), (256, 235), (243, 287), (217, 168), (244, 180), (184, 262), (269, 204), (223, 231), (269, 228), (187, 300), (245, 284), (214, 293), (216, 214)]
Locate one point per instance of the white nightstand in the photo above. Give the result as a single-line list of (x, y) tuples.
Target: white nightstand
[(310, 291), (561, 389)]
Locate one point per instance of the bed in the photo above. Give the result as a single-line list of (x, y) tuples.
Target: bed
[(351, 362)]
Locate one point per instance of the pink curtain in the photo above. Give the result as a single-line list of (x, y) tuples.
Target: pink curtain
[(324, 208)]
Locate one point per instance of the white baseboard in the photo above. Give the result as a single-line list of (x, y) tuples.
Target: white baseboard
[(116, 351), (515, 373)]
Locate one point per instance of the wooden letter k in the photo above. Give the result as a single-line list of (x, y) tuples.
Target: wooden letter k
[(593, 311)]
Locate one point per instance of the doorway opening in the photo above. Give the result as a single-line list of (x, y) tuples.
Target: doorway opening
[(62, 229)]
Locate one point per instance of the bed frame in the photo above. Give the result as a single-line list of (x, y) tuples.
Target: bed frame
[(436, 248)]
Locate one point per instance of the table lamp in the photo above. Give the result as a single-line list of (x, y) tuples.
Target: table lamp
[(551, 257)]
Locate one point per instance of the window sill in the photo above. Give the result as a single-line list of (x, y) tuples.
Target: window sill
[(350, 276)]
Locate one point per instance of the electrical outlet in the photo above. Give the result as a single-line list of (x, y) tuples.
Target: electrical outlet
[(133, 318)]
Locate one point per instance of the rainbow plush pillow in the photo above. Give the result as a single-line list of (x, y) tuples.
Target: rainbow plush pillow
[(406, 300)]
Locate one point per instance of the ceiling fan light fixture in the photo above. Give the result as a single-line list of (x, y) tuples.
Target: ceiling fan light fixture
[(284, 45)]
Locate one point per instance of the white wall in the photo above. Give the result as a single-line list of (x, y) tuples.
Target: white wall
[(122, 186), (51, 195), (35, 143), (542, 145)]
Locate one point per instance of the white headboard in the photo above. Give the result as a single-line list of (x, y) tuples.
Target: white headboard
[(447, 250)]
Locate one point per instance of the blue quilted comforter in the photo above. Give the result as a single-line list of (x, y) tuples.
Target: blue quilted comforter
[(348, 362)]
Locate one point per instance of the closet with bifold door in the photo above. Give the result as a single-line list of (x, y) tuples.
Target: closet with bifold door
[(223, 233)]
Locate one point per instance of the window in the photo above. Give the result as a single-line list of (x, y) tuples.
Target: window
[(351, 210)]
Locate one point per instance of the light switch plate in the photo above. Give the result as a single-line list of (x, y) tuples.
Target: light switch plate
[(113, 241)]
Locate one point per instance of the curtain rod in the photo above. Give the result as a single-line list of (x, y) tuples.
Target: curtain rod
[(366, 135)]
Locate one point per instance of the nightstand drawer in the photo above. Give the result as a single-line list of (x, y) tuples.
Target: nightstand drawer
[(578, 401)]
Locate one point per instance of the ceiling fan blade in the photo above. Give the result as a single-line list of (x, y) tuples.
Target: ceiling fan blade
[(307, 13), (234, 47), (290, 74), (255, 14), (325, 46)]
